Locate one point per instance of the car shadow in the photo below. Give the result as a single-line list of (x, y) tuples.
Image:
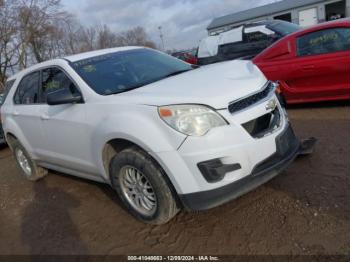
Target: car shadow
[(47, 226), (105, 188)]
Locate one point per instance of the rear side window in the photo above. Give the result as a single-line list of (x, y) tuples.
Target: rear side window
[(324, 41), (255, 37), (27, 91), (54, 79)]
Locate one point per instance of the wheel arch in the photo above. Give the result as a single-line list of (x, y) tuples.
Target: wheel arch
[(10, 137), (12, 131), (116, 145)]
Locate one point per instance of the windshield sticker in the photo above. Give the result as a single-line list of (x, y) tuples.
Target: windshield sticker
[(89, 68), (92, 60), (323, 39)]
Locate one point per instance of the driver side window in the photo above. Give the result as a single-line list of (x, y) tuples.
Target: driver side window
[(55, 79), (324, 41)]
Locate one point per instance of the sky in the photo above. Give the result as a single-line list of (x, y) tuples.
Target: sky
[(183, 22)]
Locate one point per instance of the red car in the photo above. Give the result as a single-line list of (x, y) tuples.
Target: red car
[(312, 64), (188, 56)]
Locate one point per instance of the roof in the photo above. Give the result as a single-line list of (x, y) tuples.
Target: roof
[(77, 57), (343, 22), (260, 11)]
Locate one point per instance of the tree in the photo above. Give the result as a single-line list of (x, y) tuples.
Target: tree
[(32, 31), (8, 42), (41, 24), (136, 36)]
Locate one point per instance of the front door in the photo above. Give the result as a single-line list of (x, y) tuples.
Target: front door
[(66, 127), (321, 66)]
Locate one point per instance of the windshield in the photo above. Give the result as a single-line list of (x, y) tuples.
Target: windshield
[(284, 28), (126, 70)]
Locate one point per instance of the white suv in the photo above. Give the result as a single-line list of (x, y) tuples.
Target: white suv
[(162, 133)]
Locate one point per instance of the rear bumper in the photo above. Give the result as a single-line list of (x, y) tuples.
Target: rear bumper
[(288, 147)]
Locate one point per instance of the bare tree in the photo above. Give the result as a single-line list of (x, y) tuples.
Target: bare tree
[(41, 24), (101, 36), (105, 37), (33, 31), (86, 39), (136, 36), (8, 42)]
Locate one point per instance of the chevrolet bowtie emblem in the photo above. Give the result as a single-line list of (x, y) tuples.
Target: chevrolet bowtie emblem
[(271, 105)]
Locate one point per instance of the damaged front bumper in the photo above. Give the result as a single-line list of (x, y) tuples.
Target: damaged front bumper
[(288, 148)]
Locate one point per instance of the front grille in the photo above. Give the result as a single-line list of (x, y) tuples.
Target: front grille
[(286, 145), (250, 100), (264, 124)]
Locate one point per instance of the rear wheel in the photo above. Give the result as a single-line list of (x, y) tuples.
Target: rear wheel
[(142, 186), (26, 164)]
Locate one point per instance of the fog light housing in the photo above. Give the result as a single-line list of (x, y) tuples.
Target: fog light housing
[(214, 170)]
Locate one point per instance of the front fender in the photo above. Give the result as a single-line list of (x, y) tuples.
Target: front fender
[(140, 125)]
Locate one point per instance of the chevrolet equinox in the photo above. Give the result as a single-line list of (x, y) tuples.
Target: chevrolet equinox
[(162, 133)]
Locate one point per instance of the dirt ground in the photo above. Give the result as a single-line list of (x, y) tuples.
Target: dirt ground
[(305, 210)]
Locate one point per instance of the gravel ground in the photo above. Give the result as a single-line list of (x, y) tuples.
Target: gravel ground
[(305, 210)]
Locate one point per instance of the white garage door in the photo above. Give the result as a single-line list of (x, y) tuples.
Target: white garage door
[(308, 17)]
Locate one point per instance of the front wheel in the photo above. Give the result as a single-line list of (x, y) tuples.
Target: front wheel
[(142, 186)]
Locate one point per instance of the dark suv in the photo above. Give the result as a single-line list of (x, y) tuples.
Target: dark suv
[(255, 37)]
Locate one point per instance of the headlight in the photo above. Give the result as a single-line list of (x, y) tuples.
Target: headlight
[(192, 120)]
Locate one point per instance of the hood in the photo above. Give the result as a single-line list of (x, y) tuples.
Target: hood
[(215, 85)]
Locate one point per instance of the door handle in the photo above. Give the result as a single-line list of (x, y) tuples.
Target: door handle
[(44, 117), (308, 67), (15, 113)]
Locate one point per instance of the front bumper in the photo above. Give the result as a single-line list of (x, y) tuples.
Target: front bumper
[(288, 147), (212, 169)]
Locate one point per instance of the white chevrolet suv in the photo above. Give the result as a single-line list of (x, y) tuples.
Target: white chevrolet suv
[(164, 134)]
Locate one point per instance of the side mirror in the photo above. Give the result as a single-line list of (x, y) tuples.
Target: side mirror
[(63, 96)]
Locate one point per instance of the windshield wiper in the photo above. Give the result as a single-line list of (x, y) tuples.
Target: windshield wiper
[(127, 89), (176, 73)]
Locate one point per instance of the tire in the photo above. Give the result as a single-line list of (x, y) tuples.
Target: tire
[(36, 172), (135, 161)]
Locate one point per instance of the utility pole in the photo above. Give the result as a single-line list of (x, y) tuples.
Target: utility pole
[(161, 37)]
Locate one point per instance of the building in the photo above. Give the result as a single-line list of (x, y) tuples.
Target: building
[(302, 12)]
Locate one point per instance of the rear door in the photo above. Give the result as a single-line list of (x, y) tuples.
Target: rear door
[(321, 66)]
